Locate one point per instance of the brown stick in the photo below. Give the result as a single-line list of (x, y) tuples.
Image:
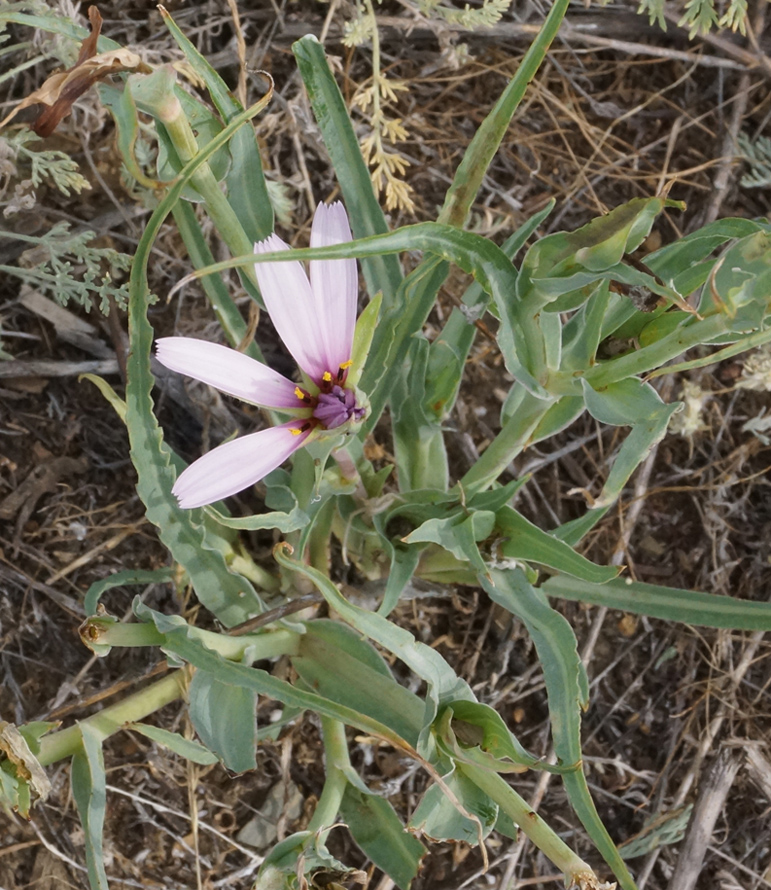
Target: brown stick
[(705, 814)]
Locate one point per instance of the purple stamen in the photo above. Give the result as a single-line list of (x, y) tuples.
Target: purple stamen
[(337, 407)]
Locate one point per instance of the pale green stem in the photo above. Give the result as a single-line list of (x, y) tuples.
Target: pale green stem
[(576, 871), (66, 742), (204, 182), (99, 632), (337, 760), (255, 573), (510, 441), (224, 306)]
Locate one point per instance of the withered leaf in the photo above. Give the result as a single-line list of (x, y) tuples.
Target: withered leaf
[(55, 98), (14, 746)]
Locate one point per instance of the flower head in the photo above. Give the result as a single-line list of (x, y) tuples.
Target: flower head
[(315, 318)]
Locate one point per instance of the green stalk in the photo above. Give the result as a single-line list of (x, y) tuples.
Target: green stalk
[(136, 707), (510, 442), (337, 761), (101, 632), (204, 182), (577, 872)]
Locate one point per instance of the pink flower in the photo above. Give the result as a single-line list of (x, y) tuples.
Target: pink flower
[(315, 318)]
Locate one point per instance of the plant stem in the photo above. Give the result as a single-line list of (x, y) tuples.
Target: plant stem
[(336, 751), (104, 632), (510, 441), (228, 314), (203, 181), (576, 871), (66, 742)]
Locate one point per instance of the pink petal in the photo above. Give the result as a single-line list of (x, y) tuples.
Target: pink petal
[(236, 465), (335, 285), (228, 371), (293, 308)]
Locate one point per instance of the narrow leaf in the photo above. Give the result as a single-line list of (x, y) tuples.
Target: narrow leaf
[(669, 603), (568, 690), (89, 791), (187, 748)]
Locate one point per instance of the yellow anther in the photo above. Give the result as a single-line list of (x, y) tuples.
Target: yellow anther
[(295, 432), (299, 393), (346, 364), (327, 378)]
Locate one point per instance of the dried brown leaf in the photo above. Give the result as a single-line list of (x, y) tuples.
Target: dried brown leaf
[(53, 101)]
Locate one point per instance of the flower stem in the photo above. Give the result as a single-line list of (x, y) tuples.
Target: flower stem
[(336, 751), (576, 871), (66, 742), (98, 633), (204, 182), (510, 441)]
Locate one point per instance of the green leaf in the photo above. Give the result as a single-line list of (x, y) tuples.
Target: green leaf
[(421, 459), (594, 247), (742, 281), (675, 259), (364, 332), (302, 853), (625, 403), (450, 349), (382, 274), (458, 534), (283, 522), (568, 691), (187, 748), (583, 332), (404, 561), (402, 317), (635, 448), (224, 716), (56, 24), (559, 416), (123, 579), (89, 791), (444, 685), (477, 157), (520, 341), (377, 829), (116, 402), (525, 541), (669, 603), (476, 731), (628, 401), (179, 640), (439, 818), (335, 662), (121, 105)]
